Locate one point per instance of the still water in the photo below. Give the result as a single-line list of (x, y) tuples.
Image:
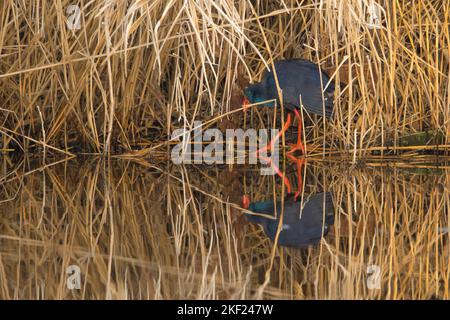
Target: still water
[(130, 229)]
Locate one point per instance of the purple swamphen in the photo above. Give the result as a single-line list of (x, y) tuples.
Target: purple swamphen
[(301, 226), (299, 80)]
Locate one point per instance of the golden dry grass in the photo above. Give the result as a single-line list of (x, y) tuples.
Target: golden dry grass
[(143, 228), (135, 70)]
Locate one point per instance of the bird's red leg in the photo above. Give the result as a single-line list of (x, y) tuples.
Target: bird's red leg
[(299, 162), (299, 145), (271, 144)]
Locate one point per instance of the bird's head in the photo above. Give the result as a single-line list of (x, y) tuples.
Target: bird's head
[(257, 93), (249, 94), (253, 94), (256, 207)]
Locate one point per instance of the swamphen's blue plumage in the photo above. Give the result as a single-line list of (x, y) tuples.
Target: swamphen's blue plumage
[(296, 78), (301, 227)]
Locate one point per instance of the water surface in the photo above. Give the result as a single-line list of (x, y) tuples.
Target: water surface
[(142, 230)]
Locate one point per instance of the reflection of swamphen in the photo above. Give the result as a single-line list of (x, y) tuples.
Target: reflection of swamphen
[(299, 80), (301, 227)]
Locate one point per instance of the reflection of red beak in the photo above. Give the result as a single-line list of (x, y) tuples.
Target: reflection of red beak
[(245, 201), (245, 103)]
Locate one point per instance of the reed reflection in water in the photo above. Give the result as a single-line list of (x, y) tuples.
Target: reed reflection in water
[(138, 230)]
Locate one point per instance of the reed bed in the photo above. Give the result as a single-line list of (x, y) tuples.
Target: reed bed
[(147, 231), (136, 70)]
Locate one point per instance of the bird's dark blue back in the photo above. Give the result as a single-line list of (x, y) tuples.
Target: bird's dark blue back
[(301, 78), (301, 226)]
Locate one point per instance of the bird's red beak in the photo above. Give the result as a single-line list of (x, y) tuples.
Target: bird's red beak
[(245, 201), (245, 103)]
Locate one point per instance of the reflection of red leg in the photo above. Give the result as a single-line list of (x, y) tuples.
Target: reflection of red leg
[(271, 144), (279, 173), (299, 145), (299, 162)]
